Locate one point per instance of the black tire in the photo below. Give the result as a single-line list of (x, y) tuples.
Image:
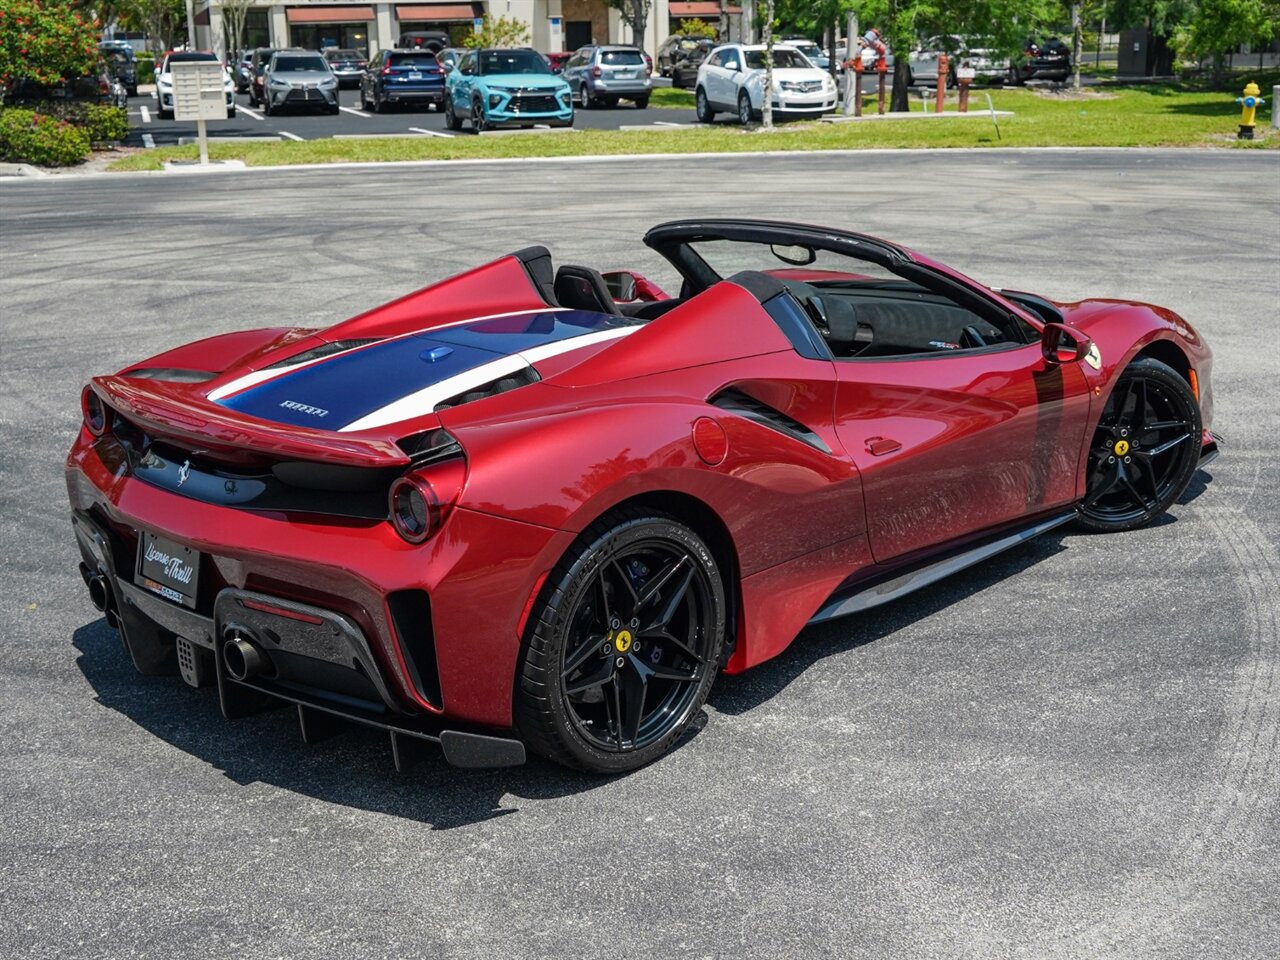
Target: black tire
[(231, 113), (745, 114), (1144, 451), (703, 106), (610, 102), (451, 119), (591, 713), (165, 114), (377, 104), (364, 104), (479, 122), (133, 91), (333, 110), (642, 103), (266, 106), (253, 100)]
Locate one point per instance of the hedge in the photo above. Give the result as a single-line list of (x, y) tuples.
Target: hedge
[(30, 137)]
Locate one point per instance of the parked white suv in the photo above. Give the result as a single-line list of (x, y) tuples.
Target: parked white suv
[(731, 80)]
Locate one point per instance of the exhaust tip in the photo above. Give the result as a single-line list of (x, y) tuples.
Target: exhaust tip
[(99, 595), (243, 658)]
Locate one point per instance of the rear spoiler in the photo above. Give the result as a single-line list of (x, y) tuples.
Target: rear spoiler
[(173, 411)]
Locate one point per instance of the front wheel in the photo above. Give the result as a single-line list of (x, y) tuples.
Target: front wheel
[(703, 106), (479, 122), (744, 108), (1145, 450), (624, 645)]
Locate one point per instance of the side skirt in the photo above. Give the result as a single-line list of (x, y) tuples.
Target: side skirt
[(856, 597)]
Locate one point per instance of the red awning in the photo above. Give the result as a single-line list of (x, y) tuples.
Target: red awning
[(328, 14), (705, 10), (437, 12)]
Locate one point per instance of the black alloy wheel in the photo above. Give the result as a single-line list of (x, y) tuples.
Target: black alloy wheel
[(624, 646), (479, 123), (1145, 450)]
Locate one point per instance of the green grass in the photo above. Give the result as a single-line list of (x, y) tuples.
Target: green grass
[(672, 98), (1155, 115)]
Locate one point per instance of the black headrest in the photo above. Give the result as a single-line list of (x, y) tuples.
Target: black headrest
[(581, 288)]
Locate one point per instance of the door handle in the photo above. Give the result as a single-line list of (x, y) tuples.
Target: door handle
[(879, 446)]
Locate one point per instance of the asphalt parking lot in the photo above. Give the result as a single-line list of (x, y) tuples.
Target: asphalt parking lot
[(147, 129), (1068, 752)]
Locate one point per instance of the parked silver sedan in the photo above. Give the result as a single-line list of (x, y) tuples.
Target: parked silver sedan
[(298, 78)]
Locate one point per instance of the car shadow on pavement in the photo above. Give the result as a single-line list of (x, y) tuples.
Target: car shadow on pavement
[(746, 691), (353, 768)]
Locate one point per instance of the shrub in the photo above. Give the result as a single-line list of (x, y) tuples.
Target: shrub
[(45, 41), (146, 70), (105, 124), (30, 137)]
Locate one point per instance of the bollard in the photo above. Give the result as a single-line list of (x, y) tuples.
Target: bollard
[(942, 83), (857, 84), (1249, 103), (1275, 114), (964, 77), (882, 68)]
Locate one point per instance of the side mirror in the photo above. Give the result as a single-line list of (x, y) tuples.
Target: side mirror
[(1060, 344), (621, 286)]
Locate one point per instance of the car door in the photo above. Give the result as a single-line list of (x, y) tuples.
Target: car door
[(960, 440), (461, 84), (714, 78), (727, 83)]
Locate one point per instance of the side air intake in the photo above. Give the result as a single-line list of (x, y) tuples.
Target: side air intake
[(735, 401)]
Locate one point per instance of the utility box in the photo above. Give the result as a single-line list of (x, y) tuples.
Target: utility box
[(1142, 54), (198, 90)]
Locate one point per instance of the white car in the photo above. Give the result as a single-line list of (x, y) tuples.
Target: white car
[(731, 80), (924, 59), (164, 82)]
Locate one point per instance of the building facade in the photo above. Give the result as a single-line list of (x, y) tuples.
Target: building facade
[(553, 25)]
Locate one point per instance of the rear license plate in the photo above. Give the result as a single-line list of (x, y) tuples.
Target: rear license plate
[(415, 75), (625, 75), (168, 569)]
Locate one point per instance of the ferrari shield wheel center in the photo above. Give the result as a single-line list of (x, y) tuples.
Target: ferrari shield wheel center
[(622, 641), (1122, 447)]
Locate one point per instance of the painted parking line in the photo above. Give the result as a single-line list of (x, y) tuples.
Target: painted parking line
[(354, 112), (291, 136), (148, 141), (146, 114), (665, 123), (249, 113), (431, 133)]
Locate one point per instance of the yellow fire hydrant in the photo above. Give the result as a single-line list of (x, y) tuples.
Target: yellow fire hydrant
[(1249, 104)]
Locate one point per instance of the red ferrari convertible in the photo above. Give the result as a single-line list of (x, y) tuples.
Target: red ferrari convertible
[(538, 508)]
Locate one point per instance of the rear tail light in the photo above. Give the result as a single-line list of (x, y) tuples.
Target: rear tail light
[(420, 501), (386, 70), (596, 72), (95, 412)]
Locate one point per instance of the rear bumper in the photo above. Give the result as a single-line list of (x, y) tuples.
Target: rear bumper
[(316, 660), (440, 621)]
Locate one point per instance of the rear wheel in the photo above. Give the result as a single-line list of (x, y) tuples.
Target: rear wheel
[(1145, 450), (642, 103), (624, 645), (451, 118), (703, 106)]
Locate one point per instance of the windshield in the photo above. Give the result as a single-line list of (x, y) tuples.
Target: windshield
[(512, 61), (727, 257), (810, 50), (621, 57), (781, 59), (190, 58), (298, 64), (342, 55), (412, 60)]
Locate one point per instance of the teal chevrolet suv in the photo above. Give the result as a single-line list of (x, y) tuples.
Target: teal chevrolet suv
[(505, 88)]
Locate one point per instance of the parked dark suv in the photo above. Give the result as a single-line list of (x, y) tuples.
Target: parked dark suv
[(402, 76), (1050, 60), (123, 64)]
